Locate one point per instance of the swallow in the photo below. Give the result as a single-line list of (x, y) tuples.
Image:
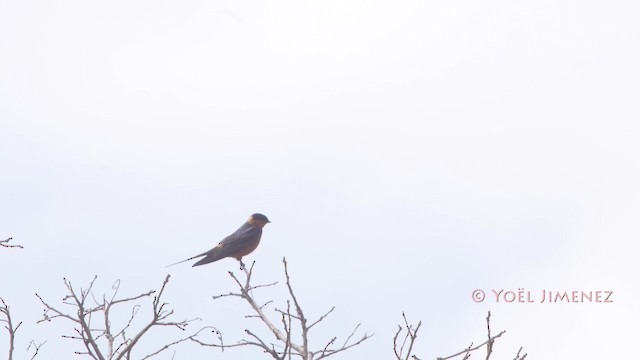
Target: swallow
[(242, 242)]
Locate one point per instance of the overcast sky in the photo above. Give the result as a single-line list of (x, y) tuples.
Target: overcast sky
[(407, 152)]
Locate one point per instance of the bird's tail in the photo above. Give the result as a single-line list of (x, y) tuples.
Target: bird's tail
[(191, 258)]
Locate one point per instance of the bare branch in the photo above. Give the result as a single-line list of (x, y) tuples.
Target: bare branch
[(167, 346), (472, 348), (490, 341), (107, 342), (6, 318), (301, 318), (345, 346), (221, 345), (36, 348), (244, 293), (5, 310), (411, 335), (5, 243), (518, 357), (489, 344), (322, 317), (285, 347)]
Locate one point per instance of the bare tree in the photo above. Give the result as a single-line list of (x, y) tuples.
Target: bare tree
[(93, 322), (5, 243), (283, 345), (411, 333), (92, 319), (5, 311)]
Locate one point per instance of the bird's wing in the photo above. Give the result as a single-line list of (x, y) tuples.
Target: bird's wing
[(232, 244)]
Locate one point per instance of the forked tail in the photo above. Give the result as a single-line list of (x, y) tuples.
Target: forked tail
[(191, 258)]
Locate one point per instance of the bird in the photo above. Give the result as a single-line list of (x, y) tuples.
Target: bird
[(242, 242)]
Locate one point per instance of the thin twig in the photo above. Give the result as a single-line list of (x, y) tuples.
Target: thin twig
[(5, 243), (488, 343), (36, 347), (410, 336), (5, 310)]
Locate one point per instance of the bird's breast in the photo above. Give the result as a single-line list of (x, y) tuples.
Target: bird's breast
[(247, 249)]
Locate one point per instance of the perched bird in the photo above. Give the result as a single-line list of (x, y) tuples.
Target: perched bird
[(240, 243)]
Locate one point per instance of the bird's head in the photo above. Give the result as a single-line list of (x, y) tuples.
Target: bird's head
[(258, 220)]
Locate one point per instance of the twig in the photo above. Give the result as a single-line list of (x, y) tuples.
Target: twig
[(488, 343), (518, 357), (412, 333), (36, 347), (5, 243), (5, 310), (411, 336)]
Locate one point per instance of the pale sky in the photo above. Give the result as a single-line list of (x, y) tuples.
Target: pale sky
[(407, 152)]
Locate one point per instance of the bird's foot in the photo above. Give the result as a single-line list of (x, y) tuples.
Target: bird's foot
[(242, 266)]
